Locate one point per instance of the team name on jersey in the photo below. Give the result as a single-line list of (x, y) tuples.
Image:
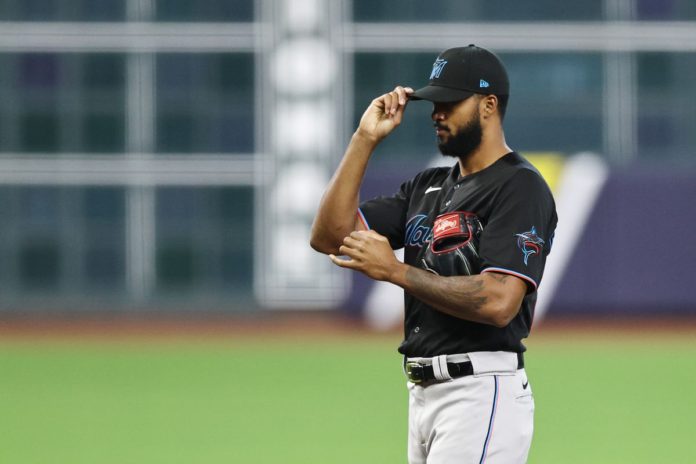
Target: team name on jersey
[(417, 233)]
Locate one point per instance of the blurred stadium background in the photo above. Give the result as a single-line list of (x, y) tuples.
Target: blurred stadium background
[(160, 164)]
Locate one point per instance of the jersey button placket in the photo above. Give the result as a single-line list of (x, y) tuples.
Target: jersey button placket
[(450, 194), (448, 200)]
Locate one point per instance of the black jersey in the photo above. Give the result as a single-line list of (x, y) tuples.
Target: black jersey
[(518, 215)]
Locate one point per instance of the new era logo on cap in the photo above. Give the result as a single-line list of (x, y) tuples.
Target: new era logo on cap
[(483, 84)]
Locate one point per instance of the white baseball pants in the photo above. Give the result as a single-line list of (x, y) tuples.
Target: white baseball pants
[(487, 417)]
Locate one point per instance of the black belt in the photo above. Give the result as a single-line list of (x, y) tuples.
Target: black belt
[(421, 373)]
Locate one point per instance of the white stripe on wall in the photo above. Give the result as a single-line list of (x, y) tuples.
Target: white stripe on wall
[(581, 182)]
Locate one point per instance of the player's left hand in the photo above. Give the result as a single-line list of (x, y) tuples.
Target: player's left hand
[(369, 253)]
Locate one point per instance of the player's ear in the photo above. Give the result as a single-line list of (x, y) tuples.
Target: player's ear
[(488, 106)]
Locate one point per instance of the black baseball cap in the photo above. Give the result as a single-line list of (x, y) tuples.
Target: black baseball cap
[(460, 72)]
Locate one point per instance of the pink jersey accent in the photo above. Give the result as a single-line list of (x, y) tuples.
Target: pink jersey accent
[(513, 273)]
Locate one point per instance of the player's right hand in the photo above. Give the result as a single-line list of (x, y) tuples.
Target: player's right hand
[(384, 114)]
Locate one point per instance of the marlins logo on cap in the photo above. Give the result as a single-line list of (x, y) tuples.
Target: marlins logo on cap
[(438, 66)]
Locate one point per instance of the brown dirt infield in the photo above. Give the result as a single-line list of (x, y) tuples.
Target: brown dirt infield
[(304, 326)]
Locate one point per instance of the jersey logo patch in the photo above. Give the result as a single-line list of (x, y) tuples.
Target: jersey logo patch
[(530, 243), (417, 234)]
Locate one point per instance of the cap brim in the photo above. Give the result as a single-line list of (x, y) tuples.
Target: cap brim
[(439, 94)]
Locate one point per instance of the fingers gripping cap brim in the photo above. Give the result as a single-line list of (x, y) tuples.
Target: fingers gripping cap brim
[(439, 94)]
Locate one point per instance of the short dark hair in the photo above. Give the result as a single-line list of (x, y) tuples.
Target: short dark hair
[(502, 105)]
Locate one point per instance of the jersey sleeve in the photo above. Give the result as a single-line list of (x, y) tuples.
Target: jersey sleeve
[(518, 235), (386, 215)]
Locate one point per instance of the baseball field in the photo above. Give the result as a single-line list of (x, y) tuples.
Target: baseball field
[(321, 395)]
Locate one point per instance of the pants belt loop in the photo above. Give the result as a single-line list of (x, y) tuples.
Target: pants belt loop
[(440, 370)]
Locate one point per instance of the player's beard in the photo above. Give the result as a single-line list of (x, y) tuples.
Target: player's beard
[(466, 141)]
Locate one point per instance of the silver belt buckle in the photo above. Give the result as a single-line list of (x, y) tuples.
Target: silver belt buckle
[(415, 372)]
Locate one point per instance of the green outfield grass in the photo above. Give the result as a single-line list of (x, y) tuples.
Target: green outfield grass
[(598, 401)]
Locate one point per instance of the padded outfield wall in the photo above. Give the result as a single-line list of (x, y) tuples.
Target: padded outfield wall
[(636, 254)]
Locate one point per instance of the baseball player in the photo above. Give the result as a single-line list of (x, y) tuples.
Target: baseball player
[(475, 239)]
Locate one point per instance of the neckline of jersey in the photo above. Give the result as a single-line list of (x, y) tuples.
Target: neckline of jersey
[(457, 177)]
